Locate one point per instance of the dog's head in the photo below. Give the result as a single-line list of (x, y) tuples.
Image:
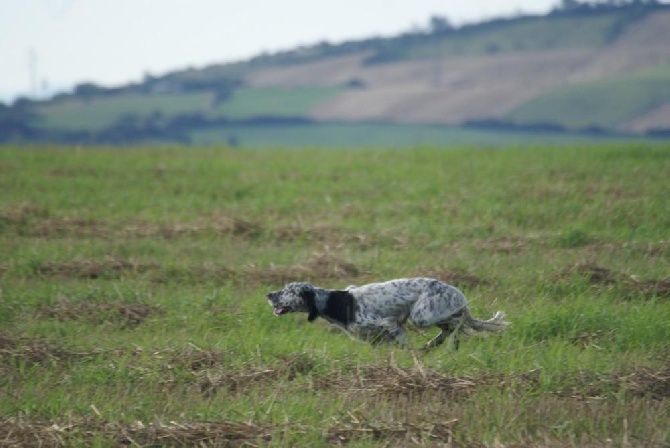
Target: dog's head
[(295, 297)]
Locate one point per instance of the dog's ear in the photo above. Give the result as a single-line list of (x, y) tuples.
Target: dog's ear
[(310, 301)]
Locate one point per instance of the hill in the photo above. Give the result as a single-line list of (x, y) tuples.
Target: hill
[(587, 69)]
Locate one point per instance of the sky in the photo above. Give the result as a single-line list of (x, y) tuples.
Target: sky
[(48, 46)]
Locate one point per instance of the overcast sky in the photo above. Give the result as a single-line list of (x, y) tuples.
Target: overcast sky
[(55, 44)]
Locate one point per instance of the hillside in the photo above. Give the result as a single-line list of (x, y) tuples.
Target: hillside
[(603, 70)]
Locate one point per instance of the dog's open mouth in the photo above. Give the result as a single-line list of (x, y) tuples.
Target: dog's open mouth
[(279, 310)]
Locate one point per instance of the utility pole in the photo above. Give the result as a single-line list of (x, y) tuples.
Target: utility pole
[(32, 68)]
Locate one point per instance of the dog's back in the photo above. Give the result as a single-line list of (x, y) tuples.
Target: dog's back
[(398, 297)]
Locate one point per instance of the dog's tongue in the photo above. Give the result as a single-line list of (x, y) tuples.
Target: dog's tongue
[(281, 310)]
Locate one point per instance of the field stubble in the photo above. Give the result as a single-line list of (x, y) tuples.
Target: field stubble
[(133, 311)]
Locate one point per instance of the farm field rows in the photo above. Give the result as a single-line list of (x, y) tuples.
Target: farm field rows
[(95, 114), (133, 284)]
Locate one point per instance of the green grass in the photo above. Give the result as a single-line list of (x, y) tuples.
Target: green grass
[(606, 103), (101, 112), (548, 33), (274, 102), (375, 135), (73, 114), (133, 282)]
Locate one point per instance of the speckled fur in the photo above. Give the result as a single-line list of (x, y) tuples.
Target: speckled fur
[(378, 311)]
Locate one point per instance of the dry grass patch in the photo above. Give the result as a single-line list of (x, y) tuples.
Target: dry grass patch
[(165, 231), (320, 233), (212, 372), (650, 249), (392, 433), (503, 245), (29, 219), (109, 267), (127, 314), (73, 432), (196, 359), (552, 422), (317, 268), (223, 226), (68, 227), (31, 351), (424, 408), (72, 172), (335, 237), (655, 249), (419, 381), (22, 212), (22, 432), (288, 368), (456, 277), (601, 276), (641, 382), (597, 275), (392, 380), (247, 229)]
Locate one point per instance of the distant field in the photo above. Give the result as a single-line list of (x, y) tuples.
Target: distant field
[(275, 102), (100, 112), (607, 103), (354, 135), (547, 34), (133, 282)]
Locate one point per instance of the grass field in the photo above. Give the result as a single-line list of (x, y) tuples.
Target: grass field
[(547, 34), (275, 102), (101, 112), (607, 103), (375, 135), (133, 282)]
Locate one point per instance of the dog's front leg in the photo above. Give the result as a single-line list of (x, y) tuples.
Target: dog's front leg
[(382, 330), (398, 335), (394, 332)]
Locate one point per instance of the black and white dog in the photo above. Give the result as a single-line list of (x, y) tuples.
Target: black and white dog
[(377, 312)]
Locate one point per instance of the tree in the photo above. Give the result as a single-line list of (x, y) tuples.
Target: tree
[(440, 24), (568, 5), (16, 122), (88, 90)]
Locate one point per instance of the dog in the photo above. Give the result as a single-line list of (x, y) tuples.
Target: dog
[(377, 312)]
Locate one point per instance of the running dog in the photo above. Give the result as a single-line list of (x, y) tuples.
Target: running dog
[(377, 312)]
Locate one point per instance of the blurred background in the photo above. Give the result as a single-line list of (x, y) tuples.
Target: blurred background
[(299, 73)]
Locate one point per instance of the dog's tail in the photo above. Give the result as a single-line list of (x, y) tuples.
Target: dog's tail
[(493, 325)]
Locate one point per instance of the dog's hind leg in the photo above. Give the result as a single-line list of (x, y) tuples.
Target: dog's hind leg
[(439, 339), (448, 331)]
